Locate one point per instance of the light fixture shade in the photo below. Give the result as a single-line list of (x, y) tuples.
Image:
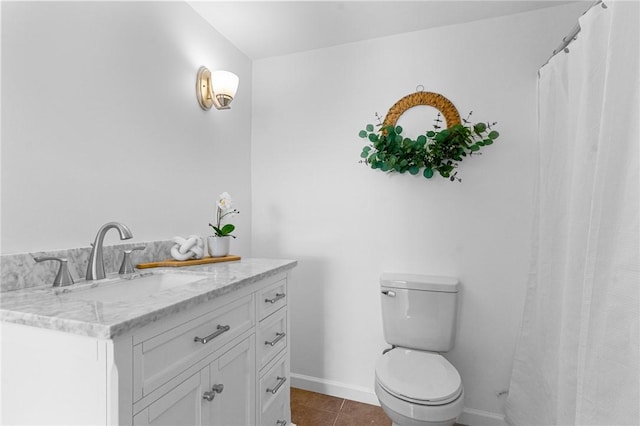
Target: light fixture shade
[(215, 88), (224, 85)]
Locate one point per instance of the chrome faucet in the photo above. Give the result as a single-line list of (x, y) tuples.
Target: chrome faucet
[(95, 269)]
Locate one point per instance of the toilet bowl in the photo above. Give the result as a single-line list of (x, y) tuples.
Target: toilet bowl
[(418, 388)]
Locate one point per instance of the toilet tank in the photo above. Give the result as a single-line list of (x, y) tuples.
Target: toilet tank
[(419, 311)]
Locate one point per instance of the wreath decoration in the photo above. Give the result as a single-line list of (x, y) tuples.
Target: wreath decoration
[(438, 150), (436, 100)]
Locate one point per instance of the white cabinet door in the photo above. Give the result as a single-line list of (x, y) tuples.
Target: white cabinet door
[(182, 405), (233, 380)]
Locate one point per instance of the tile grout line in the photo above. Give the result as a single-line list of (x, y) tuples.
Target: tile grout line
[(338, 413)]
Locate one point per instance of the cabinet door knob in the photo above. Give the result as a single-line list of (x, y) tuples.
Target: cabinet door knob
[(281, 422), (209, 395)]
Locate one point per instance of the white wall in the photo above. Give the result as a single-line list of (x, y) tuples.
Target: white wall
[(100, 122), (346, 223)]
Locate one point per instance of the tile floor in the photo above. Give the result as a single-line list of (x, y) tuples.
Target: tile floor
[(315, 409)]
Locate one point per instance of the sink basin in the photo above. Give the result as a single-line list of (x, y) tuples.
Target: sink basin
[(136, 288)]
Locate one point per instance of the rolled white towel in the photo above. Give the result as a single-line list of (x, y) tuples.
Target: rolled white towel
[(191, 247)]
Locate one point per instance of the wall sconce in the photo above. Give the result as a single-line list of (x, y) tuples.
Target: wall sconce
[(216, 88)]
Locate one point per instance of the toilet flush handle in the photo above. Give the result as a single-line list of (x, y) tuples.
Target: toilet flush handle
[(389, 293)]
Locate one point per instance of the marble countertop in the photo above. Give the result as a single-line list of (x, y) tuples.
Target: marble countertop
[(58, 309)]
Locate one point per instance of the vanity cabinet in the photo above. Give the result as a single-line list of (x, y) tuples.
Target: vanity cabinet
[(222, 393), (222, 362), (169, 348)]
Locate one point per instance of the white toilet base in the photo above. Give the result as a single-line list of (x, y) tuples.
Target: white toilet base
[(451, 423), (412, 422), (404, 413)]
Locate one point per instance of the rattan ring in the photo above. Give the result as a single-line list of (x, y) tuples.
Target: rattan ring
[(436, 100)]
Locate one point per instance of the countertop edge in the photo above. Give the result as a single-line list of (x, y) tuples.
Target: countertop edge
[(111, 331)]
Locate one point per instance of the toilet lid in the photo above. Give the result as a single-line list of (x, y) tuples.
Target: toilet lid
[(425, 377)]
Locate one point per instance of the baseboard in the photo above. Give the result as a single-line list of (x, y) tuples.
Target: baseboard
[(337, 389), (473, 417), (469, 416)]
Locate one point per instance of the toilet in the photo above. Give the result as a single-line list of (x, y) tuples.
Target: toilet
[(415, 384)]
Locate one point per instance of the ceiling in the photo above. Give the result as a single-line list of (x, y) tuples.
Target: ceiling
[(262, 29)]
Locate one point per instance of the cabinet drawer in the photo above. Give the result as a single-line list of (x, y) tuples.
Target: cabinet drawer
[(164, 356), (272, 336), (272, 298), (277, 414), (274, 384)]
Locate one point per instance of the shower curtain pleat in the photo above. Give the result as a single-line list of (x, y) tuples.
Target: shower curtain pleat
[(578, 357)]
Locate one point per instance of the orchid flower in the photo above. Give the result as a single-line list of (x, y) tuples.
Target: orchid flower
[(224, 209)]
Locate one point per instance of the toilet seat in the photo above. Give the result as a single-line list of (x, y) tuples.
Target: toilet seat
[(419, 377), (400, 410)]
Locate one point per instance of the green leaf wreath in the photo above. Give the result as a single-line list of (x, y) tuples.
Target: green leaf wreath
[(435, 151)]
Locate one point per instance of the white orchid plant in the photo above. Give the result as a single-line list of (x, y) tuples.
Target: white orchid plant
[(224, 209)]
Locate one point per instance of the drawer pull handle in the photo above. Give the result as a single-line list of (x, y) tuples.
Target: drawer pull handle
[(212, 393), (275, 299), (220, 329), (281, 381), (281, 422), (279, 336)]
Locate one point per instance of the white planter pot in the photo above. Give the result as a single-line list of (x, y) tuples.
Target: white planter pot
[(218, 246)]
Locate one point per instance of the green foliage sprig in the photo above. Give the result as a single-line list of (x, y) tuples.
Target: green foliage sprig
[(435, 151)]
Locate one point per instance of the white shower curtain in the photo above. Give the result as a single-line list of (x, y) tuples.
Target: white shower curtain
[(578, 357)]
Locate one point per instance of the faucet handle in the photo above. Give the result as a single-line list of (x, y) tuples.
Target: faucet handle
[(63, 278), (127, 266)]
